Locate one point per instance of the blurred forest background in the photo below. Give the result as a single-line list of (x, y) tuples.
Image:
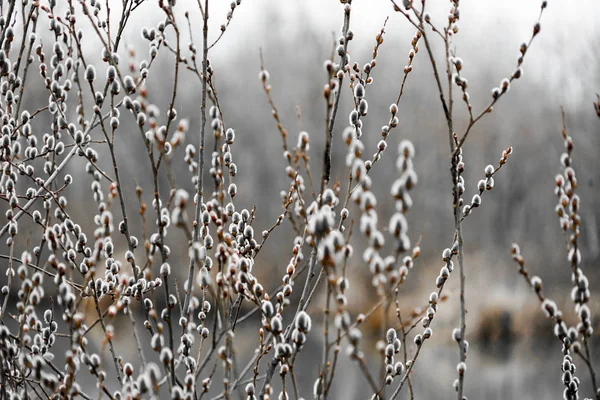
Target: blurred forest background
[(513, 353)]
